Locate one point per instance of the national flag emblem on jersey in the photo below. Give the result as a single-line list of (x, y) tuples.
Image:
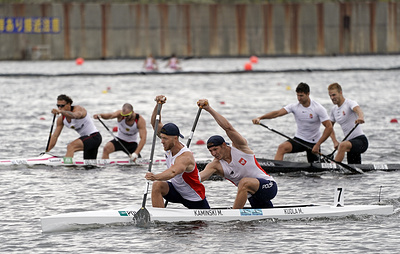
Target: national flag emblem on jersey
[(311, 116), (242, 161)]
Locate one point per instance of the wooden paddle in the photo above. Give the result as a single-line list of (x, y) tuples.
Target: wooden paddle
[(331, 154), (112, 134), (190, 137), (51, 130), (354, 170), (142, 217)]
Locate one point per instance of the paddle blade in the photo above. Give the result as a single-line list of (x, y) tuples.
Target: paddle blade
[(142, 217), (352, 169), (345, 166)]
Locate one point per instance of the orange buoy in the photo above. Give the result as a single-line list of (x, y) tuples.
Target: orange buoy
[(254, 59), (248, 66), (394, 120), (200, 142), (79, 61), (115, 129)]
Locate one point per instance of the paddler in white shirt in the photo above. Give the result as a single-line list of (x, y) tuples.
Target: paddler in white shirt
[(131, 128), (347, 113), (309, 116), (238, 164), (76, 118), (173, 63), (150, 63)]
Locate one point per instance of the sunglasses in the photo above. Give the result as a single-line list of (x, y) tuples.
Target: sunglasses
[(125, 115), (61, 105)]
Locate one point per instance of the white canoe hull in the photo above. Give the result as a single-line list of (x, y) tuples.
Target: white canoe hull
[(72, 221), (51, 160)]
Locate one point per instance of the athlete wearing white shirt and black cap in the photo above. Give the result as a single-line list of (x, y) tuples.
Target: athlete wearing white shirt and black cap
[(347, 113), (180, 182), (238, 164), (309, 116)]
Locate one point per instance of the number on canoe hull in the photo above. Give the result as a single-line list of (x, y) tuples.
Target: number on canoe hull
[(339, 197)]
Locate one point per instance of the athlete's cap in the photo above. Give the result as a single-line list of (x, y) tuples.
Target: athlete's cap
[(171, 129), (215, 140)]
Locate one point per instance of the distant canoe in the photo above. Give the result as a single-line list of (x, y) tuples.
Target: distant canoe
[(274, 166), (270, 166), (52, 160)]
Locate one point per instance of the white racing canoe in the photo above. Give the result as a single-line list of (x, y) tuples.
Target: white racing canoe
[(125, 216), (51, 160)]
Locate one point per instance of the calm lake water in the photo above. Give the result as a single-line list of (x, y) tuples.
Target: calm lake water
[(29, 193)]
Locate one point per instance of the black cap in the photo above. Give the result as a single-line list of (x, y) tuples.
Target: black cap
[(215, 140), (171, 129)]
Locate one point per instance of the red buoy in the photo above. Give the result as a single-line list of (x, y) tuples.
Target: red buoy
[(79, 61), (200, 142), (248, 66), (394, 120), (254, 59)]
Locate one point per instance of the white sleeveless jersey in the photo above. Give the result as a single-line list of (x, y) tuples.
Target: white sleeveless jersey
[(83, 126), (242, 165), (128, 133), (308, 120), (173, 63), (188, 183), (149, 63), (346, 117)]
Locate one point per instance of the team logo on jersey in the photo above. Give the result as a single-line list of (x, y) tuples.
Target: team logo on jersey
[(311, 116), (344, 113), (127, 129), (77, 128), (242, 161)]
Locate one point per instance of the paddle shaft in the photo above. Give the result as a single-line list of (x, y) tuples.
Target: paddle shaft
[(51, 130), (359, 171), (194, 127), (158, 117), (112, 134), (331, 154)]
